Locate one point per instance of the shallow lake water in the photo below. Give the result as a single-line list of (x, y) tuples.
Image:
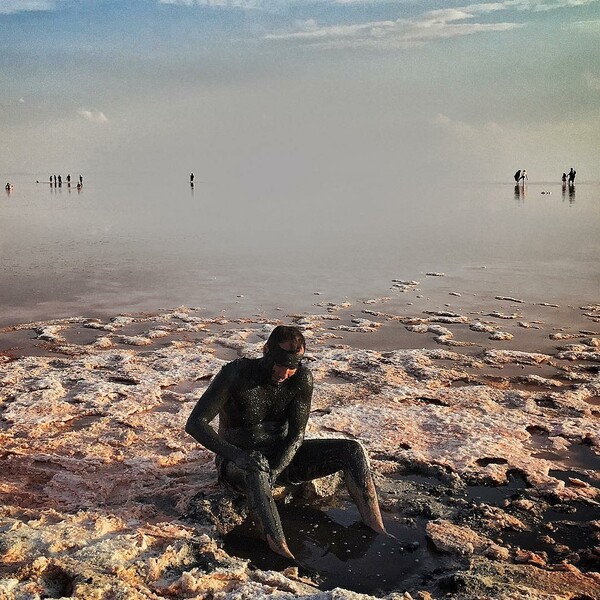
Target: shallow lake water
[(130, 244)]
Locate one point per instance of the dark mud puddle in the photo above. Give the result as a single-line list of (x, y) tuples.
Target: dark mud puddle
[(339, 551), (579, 460), (496, 495), (564, 531)]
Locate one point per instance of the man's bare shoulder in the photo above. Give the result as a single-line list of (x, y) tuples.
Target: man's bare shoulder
[(304, 377), (239, 369)]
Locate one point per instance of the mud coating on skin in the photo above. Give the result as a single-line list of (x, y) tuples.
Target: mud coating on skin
[(286, 358), (260, 440)]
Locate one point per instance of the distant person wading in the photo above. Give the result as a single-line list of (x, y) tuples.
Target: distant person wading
[(520, 176)]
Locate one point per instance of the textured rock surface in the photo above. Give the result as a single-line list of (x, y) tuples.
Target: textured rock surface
[(105, 496)]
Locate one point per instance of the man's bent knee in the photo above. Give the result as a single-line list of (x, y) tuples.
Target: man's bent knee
[(354, 453)]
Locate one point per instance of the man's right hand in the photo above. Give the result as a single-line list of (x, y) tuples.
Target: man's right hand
[(252, 461)]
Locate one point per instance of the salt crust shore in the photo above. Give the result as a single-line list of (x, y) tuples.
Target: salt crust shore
[(104, 495)]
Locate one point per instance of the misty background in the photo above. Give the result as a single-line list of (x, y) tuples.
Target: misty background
[(336, 145), (284, 94)]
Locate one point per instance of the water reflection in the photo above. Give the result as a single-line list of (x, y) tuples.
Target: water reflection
[(147, 252), (571, 190), (342, 551), (312, 533), (344, 542), (520, 193)]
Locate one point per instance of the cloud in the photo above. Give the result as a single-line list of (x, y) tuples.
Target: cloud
[(217, 3), (484, 148), (95, 116), (436, 24), (432, 25), (361, 1), (466, 131), (555, 4), (593, 81), (9, 7), (593, 25), (527, 5)]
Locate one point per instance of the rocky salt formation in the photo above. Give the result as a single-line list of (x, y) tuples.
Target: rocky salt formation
[(105, 496)]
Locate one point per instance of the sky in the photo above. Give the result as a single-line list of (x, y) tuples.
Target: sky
[(301, 94)]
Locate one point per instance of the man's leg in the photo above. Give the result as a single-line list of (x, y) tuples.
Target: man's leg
[(261, 505), (318, 458)]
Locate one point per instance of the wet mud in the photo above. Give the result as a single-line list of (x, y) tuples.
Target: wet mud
[(337, 550)]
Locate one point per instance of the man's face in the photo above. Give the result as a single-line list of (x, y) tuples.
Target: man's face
[(281, 373)]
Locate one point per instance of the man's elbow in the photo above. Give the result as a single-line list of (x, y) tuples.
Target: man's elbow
[(190, 428)]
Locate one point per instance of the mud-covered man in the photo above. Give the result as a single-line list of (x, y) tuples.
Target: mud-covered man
[(263, 406)]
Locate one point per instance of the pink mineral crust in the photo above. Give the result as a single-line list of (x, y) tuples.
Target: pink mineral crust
[(98, 474)]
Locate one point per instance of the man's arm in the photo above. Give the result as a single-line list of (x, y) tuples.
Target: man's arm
[(299, 411), (207, 408)]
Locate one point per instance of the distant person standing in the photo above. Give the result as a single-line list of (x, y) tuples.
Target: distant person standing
[(80, 180), (54, 180), (69, 180), (59, 181), (518, 175), (572, 174), (564, 178), (523, 176), (191, 179)]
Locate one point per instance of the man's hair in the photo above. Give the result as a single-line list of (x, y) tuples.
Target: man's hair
[(287, 333)]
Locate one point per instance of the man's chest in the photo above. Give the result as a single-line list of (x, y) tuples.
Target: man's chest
[(256, 404)]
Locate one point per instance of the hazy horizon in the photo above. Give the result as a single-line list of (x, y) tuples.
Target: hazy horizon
[(284, 94)]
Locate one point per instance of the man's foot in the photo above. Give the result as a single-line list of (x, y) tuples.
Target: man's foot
[(280, 547)]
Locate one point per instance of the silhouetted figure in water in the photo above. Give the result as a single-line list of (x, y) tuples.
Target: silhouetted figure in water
[(572, 174), (263, 406), (69, 180), (191, 179), (81, 180), (564, 178), (519, 192), (55, 181), (520, 176), (59, 181)]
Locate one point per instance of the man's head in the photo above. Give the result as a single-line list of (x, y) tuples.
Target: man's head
[(283, 351)]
